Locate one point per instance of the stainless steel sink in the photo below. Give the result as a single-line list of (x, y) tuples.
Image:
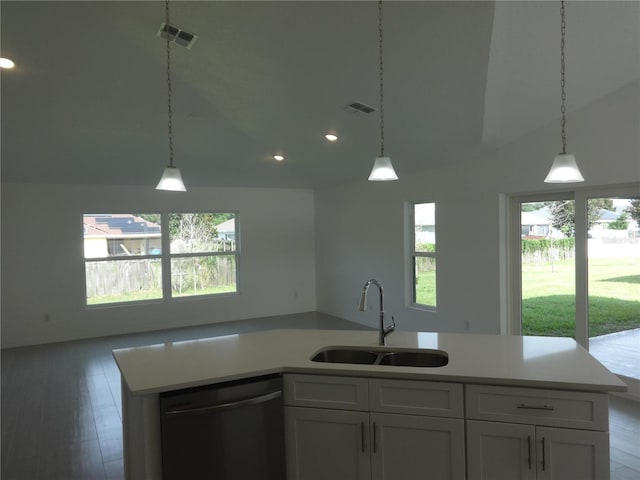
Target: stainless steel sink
[(382, 356), (343, 355), (433, 358)]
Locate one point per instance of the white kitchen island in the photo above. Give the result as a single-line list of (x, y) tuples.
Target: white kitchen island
[(487, 369)]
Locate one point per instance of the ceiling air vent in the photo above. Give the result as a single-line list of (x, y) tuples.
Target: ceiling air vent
[(177, 35), (357, 107)]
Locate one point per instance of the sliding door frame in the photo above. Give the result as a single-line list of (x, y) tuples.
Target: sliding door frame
[(513, 254), (514, 251)]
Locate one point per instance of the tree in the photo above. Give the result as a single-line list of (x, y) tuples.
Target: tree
[(198, 231), (563, 213), (531, 206), (621, 223), (634, 210), (204, 224), (563, 216)]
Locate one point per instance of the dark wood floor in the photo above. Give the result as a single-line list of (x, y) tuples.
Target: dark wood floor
[(61, 413)]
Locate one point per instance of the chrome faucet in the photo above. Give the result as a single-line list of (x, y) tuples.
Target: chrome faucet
[(383, 331)]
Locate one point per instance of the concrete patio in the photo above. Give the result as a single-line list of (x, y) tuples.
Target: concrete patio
[(619, 352)]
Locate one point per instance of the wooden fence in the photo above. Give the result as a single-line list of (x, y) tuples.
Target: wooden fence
[(121, 277)]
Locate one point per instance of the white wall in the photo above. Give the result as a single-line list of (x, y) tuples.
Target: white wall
[(360, 233), (42, 264)]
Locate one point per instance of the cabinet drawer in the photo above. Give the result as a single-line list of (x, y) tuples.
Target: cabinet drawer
[(342, 393), (588, 411), (411, 397)]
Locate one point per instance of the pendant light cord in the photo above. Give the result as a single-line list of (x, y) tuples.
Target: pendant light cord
[(563, 27), (381, 79), (169, 111)]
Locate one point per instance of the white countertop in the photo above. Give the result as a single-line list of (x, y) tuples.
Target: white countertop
[(546, 362)]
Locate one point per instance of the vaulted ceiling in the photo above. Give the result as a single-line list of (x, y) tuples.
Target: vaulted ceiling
[(87, 101)]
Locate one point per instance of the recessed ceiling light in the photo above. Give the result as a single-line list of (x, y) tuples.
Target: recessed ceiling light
[(331, 137), (278, 158), (6, 63)]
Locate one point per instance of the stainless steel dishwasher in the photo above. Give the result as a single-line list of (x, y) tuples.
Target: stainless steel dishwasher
[(231, 431)]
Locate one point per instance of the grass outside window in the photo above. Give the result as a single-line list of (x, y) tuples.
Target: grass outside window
[(548, 297), (548, 301)]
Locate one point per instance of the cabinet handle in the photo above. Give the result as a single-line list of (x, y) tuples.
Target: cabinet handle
[(374, 437), (362, 435), (543, 459), (535, 407), (529, 449)]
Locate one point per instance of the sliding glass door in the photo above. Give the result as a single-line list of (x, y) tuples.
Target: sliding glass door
[(613, 264), (575, 270), (548, 268)]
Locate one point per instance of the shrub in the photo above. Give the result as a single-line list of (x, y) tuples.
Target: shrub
[(541, 250)]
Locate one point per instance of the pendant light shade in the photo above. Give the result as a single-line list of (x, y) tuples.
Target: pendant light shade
[(564, 170), (171, 180), (382, 170)]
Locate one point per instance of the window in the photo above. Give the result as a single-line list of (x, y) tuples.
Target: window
[(203, 253), (134, 257), (423, 254), (547, 270)]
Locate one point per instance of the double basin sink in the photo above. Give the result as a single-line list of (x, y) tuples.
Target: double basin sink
[(382, 356)]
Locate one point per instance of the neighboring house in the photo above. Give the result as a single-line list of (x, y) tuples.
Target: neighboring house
[(119, 235), (606, 217), (609, 216), (601, 231), (535, 224), (227, 230)]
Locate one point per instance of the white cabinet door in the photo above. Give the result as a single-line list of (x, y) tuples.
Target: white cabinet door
[(509, 451), (500, 451), (408, 447), (565, 454), (324, 444)]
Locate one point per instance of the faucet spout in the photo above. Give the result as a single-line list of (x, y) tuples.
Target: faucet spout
[(390, 328), (382, 331)]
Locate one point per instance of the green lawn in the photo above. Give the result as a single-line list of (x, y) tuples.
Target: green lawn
[(548, 306), (426, 288), (125, 297), (157, 294)]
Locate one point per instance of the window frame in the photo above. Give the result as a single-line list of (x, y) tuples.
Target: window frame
[(167, 288), (512, 287), (165, 257), (412, 255)]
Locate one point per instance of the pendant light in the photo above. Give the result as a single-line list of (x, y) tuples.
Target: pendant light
[(171, 179), (6, 63), (382, 168), (564, 168)]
